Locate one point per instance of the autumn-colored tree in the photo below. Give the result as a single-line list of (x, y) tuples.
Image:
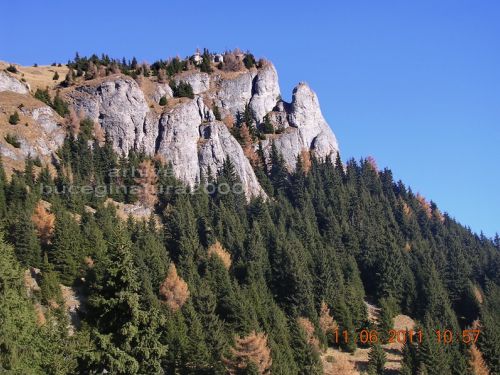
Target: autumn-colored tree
[(147, 181), (405, 208), (247, 144), (305, 156), (425, 205), (174, 290), (99, 134), (477, 362), (326, 322), (232, 63), (251, 349), (216, 249), (228, 121), (308, 329), (372, 163), (44, 222)]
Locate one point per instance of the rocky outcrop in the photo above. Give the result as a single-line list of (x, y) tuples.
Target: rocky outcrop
[(257, 88), (233, 94), (304, 129), (187, 134), (9, 83), (194, 143), (47, 137), (218, 144), (162, 89), (199, 81), (265, 92), (120, 107), (178, 139)]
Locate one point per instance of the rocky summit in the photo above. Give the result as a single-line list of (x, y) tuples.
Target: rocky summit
[(194, 132)]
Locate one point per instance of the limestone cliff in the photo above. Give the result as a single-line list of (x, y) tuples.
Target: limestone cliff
[(185, 132)]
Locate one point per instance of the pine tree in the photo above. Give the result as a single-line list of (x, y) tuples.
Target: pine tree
[(127, 338), (376, 359), (26, 244), (66, 253), (267, 127), (49, 286), (14, 118), (19, 335)]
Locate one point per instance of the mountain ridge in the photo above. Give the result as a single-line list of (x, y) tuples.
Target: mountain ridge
[(129, 113)]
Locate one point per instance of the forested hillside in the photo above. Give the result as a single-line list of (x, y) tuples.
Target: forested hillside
[(212, 283)]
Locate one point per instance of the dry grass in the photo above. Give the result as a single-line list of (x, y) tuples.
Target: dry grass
[(40, 76), (335, 361)]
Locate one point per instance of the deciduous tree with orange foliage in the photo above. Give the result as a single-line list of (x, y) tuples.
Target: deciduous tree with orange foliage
[(217, 250), (174, 290), (44, 222), (147, 180), (247, 351)]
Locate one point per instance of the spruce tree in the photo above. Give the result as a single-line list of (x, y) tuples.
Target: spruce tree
[(66, 253), (376, 359)]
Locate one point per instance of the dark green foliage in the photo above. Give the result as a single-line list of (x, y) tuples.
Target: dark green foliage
[(489, 340), (60, 106), (25, 242), (267, 126), (389, 310), (217, 114), (14, 118), (326, 234), (11, 68), (49, 287), (44, 96), (66, 254), (56, 76), (18, 329), (182, 89), (12, 140), (376, 360), (163, 101), (249, 60), (206, 65)]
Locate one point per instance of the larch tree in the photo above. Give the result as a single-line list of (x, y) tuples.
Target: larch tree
[(174, 290), (147, 180), (222, 254), (44, 222), (251, 350)]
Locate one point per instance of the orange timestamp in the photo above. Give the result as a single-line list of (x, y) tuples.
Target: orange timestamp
[(367, 336)]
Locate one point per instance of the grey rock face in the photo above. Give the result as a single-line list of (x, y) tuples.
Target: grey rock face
[(191, 140), (199, 81), (178, 138), (9, 83), (217, 144), (119, 106), (162, 89), (46, 138), (189, 137), (279, 116), (234, 94), (308, 129), (266, 92)]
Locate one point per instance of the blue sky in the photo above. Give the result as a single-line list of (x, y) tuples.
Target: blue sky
[(415, 84)]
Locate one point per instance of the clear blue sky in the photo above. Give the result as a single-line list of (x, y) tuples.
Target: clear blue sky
[(415, 84)]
